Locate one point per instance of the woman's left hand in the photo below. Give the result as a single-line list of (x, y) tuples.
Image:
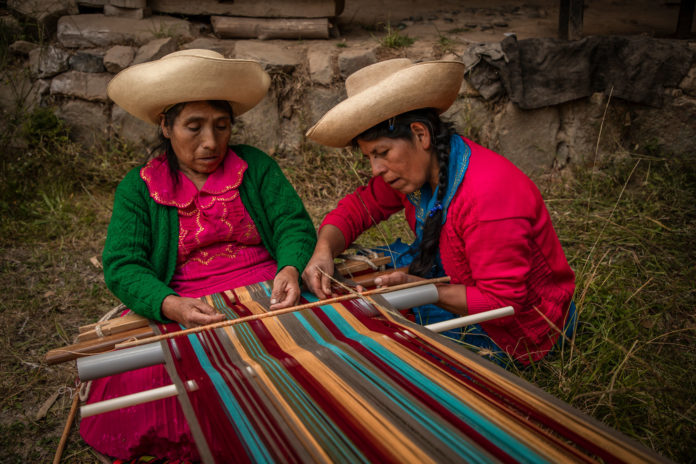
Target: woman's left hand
[(286, 288), (395, 278)]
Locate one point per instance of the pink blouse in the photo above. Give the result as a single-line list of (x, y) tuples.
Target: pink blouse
[(219, 245)]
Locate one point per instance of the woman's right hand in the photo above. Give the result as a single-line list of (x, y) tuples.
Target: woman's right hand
[(330, 243), (189, 312), (317, 281)]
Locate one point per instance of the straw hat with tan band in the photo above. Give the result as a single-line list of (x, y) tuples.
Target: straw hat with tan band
[(386, 89), (145, 90)]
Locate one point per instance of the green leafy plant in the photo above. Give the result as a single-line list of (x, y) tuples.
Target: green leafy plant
[(445, 44), (394, 38)]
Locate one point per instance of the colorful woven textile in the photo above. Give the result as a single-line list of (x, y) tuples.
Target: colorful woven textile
[(339, 384)]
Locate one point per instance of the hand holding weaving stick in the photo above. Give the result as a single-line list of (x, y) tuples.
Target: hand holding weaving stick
[(281, 311), (189, 312)]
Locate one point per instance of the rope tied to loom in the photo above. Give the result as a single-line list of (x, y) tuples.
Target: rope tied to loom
[(106, 317), (83, 389)]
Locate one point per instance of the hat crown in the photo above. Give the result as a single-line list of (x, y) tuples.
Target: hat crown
[(201, 52), (373, 74), (386, 89), (144, 90)]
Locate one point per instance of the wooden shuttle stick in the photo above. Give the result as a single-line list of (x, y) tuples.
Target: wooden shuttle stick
[(279, 312)]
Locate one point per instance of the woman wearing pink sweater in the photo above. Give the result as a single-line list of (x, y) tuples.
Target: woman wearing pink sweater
[(476, 217)]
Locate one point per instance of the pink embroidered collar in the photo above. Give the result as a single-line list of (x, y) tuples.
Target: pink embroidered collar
[(227, 177)]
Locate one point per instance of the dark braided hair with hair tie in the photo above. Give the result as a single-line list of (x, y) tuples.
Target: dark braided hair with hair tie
[(399, 127), (165, 144)]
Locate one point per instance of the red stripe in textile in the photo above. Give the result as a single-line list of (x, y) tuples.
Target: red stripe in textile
[(490, 391), (496, 397), (246, 394), (341, 416), (252, 404), (476, 381), (418, 394), (221, 436)]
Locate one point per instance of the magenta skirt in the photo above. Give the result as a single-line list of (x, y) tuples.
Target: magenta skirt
[(157, 429)]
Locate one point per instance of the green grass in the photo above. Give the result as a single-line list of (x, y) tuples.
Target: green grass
[(627, 225), (394, 38), (459, 30), (629, 230), (445, 44)]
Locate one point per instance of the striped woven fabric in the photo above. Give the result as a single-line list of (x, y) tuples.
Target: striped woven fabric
[(338, 384)]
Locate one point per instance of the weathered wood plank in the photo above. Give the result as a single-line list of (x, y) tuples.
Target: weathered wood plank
[(686, 18), (570, 19), (252, 8), (264, 28)]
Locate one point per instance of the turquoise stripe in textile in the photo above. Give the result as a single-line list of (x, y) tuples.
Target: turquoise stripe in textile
[(304, 405), (496, 435), (463, 448), (251, 440)]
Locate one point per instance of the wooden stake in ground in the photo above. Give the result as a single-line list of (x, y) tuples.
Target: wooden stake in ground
[(68, 426), (279, 312)]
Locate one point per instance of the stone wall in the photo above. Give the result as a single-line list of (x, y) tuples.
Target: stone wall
[(71, 73)]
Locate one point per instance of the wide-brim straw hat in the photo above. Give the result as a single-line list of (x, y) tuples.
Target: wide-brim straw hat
[(386, 89), (146, 90)]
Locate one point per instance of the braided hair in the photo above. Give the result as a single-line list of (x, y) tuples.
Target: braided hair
[(165, 144), (440, 131)]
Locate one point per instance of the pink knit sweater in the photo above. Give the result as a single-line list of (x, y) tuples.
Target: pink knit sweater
[(498, 241)]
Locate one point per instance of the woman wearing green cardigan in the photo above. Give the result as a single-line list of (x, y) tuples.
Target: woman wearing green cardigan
[(201, 218)]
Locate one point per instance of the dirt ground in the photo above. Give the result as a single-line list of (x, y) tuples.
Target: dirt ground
[(487, 21)]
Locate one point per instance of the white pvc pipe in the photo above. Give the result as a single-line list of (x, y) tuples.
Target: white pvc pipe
[(115, 362), (412, 297), (473, 319), (135, 398)]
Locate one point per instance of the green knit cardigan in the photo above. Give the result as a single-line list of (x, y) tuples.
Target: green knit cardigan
[(142, 240)]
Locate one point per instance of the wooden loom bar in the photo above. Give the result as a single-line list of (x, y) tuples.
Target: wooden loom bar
[(91, 340), (70, 352), (280, 312), (351, 266), (126, 401), (114, 326), (128, 317)]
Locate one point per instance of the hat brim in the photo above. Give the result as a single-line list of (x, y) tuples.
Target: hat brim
[(146, 89), (433, 84)]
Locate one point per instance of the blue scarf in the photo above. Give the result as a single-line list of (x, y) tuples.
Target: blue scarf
[(425, 200)]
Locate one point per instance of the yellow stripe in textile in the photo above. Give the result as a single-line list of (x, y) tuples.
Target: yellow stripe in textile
[(393, 440), (295, 424), (607, 441), (457, 389)]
